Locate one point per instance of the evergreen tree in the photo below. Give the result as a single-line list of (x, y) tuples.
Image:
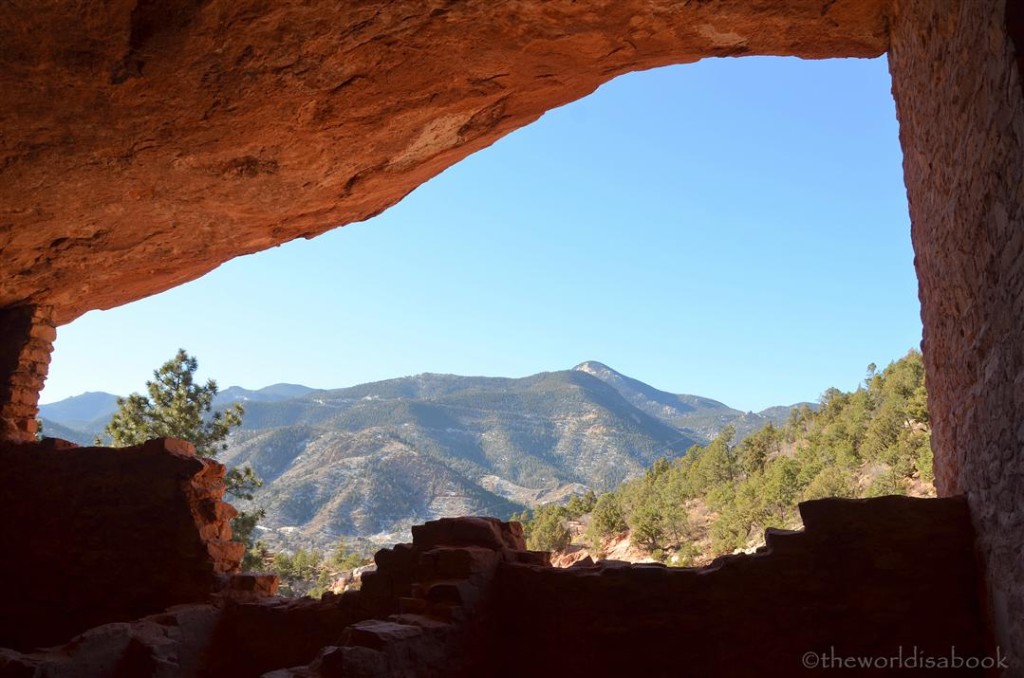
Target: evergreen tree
[(646, 526), (547, 531), (606, 519), (757, 448), (580, 504), (871, 441), (177, 407)]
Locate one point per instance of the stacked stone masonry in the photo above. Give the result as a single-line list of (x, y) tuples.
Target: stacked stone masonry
[(466, 599), (961, 111), (27, 334), (95, 535)]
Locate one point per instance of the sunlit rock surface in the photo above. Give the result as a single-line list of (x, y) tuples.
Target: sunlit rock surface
[(144, 143)]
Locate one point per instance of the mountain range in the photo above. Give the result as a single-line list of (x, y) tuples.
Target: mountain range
[(368, 461)]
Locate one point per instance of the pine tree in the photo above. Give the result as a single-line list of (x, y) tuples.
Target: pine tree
[(547, 531), (177, 407)]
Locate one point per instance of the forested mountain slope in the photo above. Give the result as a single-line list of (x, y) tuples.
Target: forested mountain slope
[(720, 497)]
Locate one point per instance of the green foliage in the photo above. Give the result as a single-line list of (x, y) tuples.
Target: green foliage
[(875, 438), (547, 530), (344, 559), (756, 449), (311, 573), (177, 407), (924, 462), (580, 505), (243, 529), (713, 465), (779, 490), (646, 525), (685, 556), (833, 481), (606, 519)]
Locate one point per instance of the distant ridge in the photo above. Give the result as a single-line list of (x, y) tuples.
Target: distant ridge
[(272, 393), (370, 460), (81, 412), (700, 417)]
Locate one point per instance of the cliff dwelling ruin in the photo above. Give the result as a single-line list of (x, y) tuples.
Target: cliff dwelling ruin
[(144, 143)]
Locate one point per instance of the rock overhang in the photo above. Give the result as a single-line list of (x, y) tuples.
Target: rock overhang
[(146, 143)]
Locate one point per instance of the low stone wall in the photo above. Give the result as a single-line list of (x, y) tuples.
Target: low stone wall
[(415, 616), (867, 578), (873, 579), (95, 535)]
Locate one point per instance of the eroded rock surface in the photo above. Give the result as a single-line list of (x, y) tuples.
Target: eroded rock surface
[(144, 143)]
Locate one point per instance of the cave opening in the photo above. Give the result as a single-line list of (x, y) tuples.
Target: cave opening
[(951, 65), (802, 169)]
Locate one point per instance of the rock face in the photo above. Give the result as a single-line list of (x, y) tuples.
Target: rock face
[(94, 535), (145, 143), (964, 167)]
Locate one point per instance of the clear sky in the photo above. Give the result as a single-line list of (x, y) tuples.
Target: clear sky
[(735, 228)]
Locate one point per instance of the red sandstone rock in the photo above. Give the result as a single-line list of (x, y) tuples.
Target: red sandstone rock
[(487, 532), (26, 340), (865, 578), (376, 633), (456, 562), (253, 584), (963, 164), (257, 636), (170, 644), (146, 143)]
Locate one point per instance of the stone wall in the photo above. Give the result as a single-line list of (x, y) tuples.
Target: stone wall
[(95, 535), (26, 341), (867, 578), (130, 161), (961, 111), (465, 599), (414, 616)]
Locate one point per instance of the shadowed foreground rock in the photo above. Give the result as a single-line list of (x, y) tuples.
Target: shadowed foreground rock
[(466, 598), (864, 579), (94, 535)]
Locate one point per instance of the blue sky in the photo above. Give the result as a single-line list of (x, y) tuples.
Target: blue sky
[(734, 228)]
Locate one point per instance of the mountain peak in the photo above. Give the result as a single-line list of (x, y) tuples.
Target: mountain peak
[(594, 367)]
